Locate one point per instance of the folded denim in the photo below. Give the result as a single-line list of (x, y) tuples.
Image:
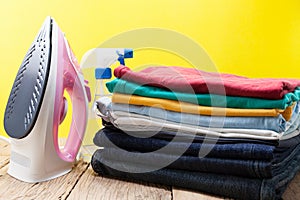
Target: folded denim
[(177, 106), (185, 155), (222, 148), (293, 128), (277, 124), (217, 184), (244, 168), (290, 139), (126, 87), (133, 122)]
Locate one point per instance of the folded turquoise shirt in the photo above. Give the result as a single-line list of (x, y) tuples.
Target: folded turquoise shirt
[(125, 87)]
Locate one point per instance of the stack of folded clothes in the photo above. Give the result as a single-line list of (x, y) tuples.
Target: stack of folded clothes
[(217, 133)]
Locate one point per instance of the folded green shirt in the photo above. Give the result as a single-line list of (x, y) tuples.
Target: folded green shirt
[(125, 87)]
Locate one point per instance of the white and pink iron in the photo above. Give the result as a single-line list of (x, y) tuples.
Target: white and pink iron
[(36, 106)]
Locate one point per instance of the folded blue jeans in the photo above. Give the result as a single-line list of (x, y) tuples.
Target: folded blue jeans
[(217, 184), (237, 167), (278, 124), (133, 122), (220, 148)]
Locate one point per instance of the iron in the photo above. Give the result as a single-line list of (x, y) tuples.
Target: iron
[(36, 107)]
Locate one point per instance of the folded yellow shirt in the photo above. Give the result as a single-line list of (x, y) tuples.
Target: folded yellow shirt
[(179, 106)]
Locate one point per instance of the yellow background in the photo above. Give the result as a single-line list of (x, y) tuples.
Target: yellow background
[(252, 38)]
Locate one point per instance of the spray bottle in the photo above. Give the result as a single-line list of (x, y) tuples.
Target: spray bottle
[(101, 60), (102, 74)]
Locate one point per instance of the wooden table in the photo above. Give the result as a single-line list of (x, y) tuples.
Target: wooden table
[(82, 183)]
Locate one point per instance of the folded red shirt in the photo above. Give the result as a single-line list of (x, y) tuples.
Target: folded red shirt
[(190, 80)]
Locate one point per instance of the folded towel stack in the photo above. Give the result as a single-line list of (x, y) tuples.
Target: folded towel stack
[(217, 133)]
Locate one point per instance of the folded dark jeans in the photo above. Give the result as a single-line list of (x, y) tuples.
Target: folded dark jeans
[(217, 184), (108, 137), (245, 168)]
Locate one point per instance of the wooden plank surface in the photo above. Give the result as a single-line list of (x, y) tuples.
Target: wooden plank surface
[(4, 153), (83, 183), (98, 187), (293, 190), (59, 188), (179, 194)]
